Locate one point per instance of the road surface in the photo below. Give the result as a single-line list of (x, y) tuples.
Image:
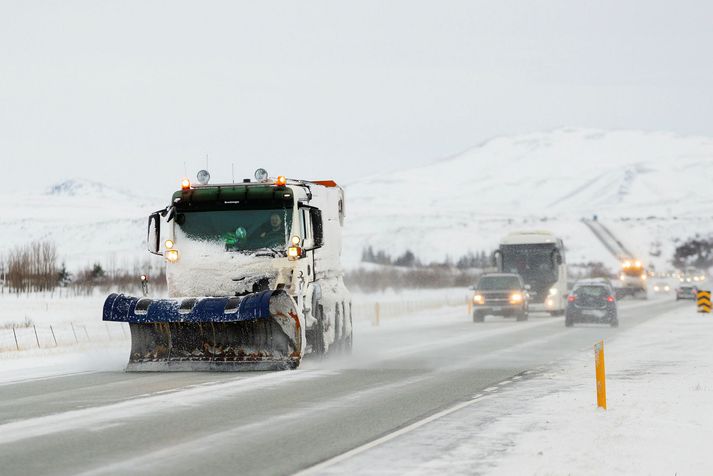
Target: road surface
[(111, 422)]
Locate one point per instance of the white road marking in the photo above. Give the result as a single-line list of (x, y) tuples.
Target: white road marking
[(360, 449), (46, 377), (88, 418)]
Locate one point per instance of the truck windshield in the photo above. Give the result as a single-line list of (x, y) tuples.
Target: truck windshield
[(239, 229), (531, 261), (492, 283)]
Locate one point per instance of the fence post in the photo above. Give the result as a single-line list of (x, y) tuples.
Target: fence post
[(53, 336), (76, 341), (17, 345), (377, 315), (36, 336)]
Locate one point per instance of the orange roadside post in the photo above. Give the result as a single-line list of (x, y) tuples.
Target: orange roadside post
[(601, 377)]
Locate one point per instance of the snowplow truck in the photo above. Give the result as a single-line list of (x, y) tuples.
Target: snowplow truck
[(633, 278), (253, 276)]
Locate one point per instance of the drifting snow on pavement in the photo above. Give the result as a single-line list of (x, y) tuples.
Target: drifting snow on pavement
[(659, 384)]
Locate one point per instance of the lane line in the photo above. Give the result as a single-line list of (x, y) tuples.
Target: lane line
[(389, 437), (46, 377), (120, 412)]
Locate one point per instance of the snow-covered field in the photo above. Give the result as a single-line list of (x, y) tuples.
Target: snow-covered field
[(651, 188), (658, 421)]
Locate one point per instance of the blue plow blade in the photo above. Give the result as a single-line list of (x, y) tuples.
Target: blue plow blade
[(260, 331), (122, 308)]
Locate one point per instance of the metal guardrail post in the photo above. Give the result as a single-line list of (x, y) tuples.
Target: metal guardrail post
[(17, 345)]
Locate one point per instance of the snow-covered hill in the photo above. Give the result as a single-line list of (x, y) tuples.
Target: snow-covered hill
[(649, 187), (88, 221)]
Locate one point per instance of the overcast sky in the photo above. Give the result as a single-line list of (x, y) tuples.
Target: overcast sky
[(127, 92)]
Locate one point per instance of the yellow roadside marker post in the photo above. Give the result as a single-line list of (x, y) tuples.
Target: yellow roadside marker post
[(703, 299), (377, 314), (601, 377)]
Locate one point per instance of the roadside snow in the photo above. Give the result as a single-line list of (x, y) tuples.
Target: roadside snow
[(660, 398)]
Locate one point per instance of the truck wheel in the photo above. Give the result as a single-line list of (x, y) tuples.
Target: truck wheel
[(318, 344), (478, 316), (521, 316), (568, 322)]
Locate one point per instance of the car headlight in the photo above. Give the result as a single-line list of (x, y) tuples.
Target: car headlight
[(478, 299)]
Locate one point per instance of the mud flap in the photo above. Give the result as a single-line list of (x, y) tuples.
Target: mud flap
[(261, 331)]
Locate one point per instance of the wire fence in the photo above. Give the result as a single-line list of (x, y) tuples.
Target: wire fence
[(14, 338), (28, 336)]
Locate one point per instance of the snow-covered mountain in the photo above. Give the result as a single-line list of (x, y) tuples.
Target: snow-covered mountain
[(649, 187), (88, 221)]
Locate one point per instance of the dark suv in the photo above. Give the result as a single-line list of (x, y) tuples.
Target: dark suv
[(686, 292), (500, 294), (591, 301)]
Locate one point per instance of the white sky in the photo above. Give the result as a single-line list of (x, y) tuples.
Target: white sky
[(129, 91)]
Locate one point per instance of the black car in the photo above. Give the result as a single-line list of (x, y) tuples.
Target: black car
[(500, 294), (591, 302), (687, 292)]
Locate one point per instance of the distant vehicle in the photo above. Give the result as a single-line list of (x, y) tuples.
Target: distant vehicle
[(500, 294), (591, 301), (633, 278), (686, 292), (662, 287), (692, 275), (539, 258)]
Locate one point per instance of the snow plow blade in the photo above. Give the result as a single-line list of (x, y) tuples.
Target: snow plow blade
[(260, 331)]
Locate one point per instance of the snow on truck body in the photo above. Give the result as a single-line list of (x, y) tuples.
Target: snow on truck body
[(254, 278), (539, 258)]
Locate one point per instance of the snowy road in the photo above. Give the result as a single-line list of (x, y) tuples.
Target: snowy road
[(109, 422)]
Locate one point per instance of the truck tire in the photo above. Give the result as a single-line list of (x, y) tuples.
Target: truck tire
[(478, 316), (521, 315), (568, 322), (318, 344)]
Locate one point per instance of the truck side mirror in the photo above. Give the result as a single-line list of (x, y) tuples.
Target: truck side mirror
[(153, 235), (317, 227), (496, 259)]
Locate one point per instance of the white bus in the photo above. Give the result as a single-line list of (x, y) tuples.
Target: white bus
[(538, 257)]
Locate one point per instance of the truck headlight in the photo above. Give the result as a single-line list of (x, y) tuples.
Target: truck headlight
[(478, 299), (294, 252), (171, 255), (516, 298), (553, 291)]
